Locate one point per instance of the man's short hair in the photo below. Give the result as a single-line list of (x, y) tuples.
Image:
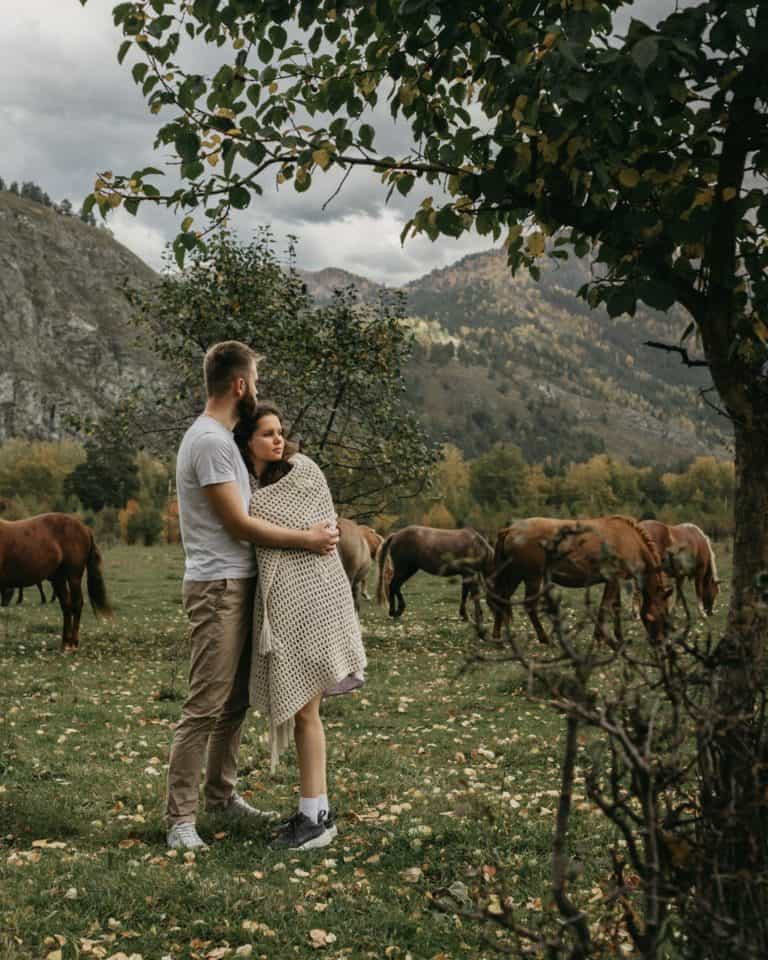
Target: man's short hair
[(225, 361)]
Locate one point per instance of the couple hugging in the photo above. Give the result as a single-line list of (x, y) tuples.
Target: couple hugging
[(272, 619)]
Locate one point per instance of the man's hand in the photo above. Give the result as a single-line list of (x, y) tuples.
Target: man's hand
[(322, 537)]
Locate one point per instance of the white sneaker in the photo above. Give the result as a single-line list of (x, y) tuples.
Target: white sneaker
[(184, 836), (238, 809)]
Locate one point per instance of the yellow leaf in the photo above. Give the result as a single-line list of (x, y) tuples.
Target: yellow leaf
[(494, 905), (535, 244), (273, 88), (629, 177), (239, 43), (729, 193), (761, 331), (322, 158), (703, 198), (186, 223)]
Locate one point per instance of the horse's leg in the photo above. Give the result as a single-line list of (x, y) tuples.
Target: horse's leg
[(42, 592), (396, 599), (465, 589), (679, 580), (470, 587), (356, 594), (532, 590), (699, 587), (65, 602), (76, 590), (20, 597), (611, 599)]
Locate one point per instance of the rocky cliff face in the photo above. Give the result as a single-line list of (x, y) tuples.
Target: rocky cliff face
[(66, 342)]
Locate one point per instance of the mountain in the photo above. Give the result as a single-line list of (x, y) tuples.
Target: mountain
[(67, 343), (508, 358), (497, 357)]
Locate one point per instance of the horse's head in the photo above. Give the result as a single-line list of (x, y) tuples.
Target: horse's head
[(710, 591)]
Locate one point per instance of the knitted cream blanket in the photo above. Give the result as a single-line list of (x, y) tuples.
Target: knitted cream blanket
[(306, 632)]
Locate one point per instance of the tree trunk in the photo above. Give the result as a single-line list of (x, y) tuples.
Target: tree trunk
[(729, 918)]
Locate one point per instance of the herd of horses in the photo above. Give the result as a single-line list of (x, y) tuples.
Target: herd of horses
[(536, 552), (539, 551)]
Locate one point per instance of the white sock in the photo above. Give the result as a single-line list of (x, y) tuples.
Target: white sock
[(322, 803), (309, 806)]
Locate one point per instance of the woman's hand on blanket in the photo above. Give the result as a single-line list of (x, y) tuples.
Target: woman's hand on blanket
[(322, 537)]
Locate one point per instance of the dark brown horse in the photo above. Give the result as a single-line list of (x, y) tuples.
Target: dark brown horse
[(687, 554), (443, 553), (59, 548), (578, 553)]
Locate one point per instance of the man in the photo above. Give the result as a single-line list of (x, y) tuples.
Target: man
[(213, 490)]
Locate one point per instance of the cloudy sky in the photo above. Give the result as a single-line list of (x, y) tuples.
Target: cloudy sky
[(68, 110)]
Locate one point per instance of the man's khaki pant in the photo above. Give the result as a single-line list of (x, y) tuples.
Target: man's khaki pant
[(221, 616)]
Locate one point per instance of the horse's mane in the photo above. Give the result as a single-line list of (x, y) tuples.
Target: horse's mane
[(643, 536), (712, 561)]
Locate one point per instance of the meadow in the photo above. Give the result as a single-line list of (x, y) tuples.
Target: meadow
[(444, 774)]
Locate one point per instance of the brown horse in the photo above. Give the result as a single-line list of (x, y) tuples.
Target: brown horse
[(582, 553), (59, 548), (686, 554), (355, 555), (443, 553)]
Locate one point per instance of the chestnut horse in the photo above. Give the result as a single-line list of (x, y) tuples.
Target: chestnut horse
[(356, 555), (686, 554), (443, 553), (59, 548), (582, 553)]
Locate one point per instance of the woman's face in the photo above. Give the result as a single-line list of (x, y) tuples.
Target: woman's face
[(267, 442)]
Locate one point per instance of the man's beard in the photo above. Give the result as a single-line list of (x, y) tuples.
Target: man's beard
[(246, 406)]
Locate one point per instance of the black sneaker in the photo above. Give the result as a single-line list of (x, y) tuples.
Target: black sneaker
[(329, 818), (301, 833)]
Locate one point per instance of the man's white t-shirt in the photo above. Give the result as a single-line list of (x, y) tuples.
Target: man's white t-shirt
[(208, 454)]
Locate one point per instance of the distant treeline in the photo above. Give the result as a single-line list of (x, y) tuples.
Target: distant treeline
[(129, 495), (29, 190)]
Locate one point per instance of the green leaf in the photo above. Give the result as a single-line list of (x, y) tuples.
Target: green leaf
[(645, 51), (239, 197), (131, 205), (139, 71), (265, 50), (125, 46), (278, 36), (187, 144)]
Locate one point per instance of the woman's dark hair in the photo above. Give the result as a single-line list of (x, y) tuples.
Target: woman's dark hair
[(244, 430)]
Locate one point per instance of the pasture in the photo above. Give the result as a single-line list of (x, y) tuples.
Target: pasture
[(445, 782)]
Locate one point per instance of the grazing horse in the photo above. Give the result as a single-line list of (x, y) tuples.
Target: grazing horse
[(686, 554), (443, 553), (582, 553), (6, 595), (59, 548), (356, 555), (374, 541)]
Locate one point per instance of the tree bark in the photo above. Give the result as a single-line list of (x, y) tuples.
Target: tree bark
[(729, 918)]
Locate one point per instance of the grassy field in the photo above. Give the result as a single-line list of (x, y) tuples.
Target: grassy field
[(443, 779)]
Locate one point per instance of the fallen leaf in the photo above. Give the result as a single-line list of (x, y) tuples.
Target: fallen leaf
[(321, 938)]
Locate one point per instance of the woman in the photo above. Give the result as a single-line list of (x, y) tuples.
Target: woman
[(306, 639)]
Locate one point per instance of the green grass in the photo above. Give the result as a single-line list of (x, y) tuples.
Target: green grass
[(438, 775)]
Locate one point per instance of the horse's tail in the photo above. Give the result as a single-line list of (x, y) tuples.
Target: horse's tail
[(385, 567), (97, 590)]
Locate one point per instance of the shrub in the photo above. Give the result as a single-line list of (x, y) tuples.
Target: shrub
[(144, 526)]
